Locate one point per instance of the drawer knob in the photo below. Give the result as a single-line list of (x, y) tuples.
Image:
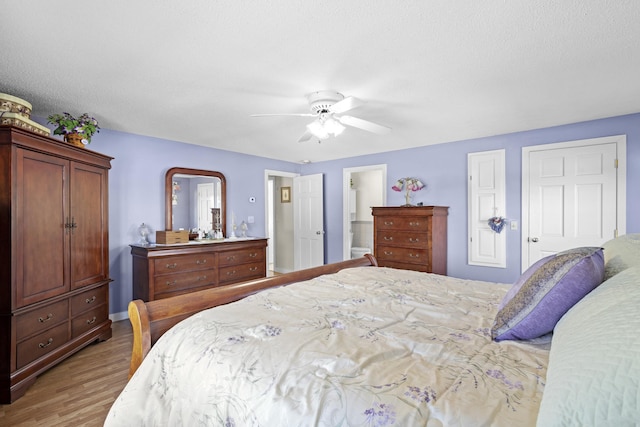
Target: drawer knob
[(201, 278), (91, 321), (412, 240), (388, 252), (253, 268), (172, 283), (45, 319), (47, 344), (388, 238), (414, 255), (231, 258), (231, 273), (253, 255), (414, 224), (388, 223), (90, 300), (201, 261), (174, 265)]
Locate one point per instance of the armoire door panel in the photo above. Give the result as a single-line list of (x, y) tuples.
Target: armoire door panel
[(42, 213), (88, 188)]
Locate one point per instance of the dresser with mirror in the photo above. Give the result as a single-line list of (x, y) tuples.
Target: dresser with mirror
[(196, 199)]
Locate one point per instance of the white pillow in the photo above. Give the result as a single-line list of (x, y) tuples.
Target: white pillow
[(621, 253), (593, 378)]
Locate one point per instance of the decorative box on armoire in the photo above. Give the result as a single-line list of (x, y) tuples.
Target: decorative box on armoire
[(54, 256), (411, 237)]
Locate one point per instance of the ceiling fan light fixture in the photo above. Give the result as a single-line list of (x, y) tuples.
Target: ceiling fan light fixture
[(333, 127), (318, 130)]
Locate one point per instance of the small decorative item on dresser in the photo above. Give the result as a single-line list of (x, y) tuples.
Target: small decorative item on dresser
[(409, 185), (76, 131)]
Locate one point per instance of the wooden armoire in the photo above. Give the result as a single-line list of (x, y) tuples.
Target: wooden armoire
[(54, 255)]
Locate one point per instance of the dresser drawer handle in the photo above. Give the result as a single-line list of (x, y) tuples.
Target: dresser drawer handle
[(47, 344), (92, 321), (253, 255), (231, 258), (253, 268), (388, 252), (172, 283), (45, 319), (231, 273), (90, 300), (201, 278), (172, 266), (414, 255), (387, 238), (412, 240), (201, 261), (388, 223), (414, 224)]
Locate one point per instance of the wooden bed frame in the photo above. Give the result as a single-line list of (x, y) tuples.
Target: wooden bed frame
[(152, 319)]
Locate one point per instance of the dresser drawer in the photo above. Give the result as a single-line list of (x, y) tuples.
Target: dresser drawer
[(89, 319), (407, 239), (41, 319), (426, 268), (181, 281), (89, 299), (407, 223), (404, 255), (174, 264), (241, 256), (236, 273), (35, 347)]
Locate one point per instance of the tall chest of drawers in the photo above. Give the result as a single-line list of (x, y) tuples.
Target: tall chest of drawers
[(411, 238), (163, 271)]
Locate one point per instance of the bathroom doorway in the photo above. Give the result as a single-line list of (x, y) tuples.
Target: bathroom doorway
[(363, 188)]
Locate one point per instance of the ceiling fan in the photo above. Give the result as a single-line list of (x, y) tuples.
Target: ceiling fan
[(327, 106)]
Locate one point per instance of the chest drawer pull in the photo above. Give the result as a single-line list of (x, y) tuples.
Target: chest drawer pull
[(201, 261), (172, 266), (231, 273), (253, 255), (231, 258), (90, 300), (253, 268), (201, 278), (172, 283), (92, 321), (414, 224), (388, 252), (45, 319), (388, 223), (388, 238), (414, 255), (47, 344), (412, 240)]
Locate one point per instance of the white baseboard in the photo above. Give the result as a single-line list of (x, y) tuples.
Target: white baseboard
[(115, 317)]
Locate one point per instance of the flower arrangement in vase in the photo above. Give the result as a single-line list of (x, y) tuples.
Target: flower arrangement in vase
[(77, 131), (409, 185)]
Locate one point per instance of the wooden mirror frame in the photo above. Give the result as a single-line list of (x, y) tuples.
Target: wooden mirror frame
[(168, 192)]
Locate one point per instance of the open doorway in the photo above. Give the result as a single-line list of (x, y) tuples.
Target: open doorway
[(279, 222), (363, 188)]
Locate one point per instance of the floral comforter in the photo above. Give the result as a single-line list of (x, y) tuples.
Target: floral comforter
[(363, 347)]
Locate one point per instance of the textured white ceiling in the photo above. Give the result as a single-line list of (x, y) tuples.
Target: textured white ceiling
[(433, 71)]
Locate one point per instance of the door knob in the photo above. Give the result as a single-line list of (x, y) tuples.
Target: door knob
[(319, 232), (534, 239)]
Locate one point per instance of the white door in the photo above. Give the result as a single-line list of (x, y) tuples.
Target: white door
[(308, 228), (573, 198), (206, 199)]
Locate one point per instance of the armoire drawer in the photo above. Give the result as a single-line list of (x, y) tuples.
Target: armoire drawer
[(41, 318), (89, 319), (89, 299), (241, 256), (181, 281), (404, 255), (174, 264), (29, 350), (241, 272)]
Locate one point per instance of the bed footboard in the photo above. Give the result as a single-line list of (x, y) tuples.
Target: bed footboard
[(152, 319)]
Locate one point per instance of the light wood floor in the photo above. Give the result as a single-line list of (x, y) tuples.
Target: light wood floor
[(80, 390)]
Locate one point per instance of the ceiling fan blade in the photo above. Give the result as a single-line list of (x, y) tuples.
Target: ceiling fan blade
[(363, 124), (305, 137), (346, 105), (285, 114)]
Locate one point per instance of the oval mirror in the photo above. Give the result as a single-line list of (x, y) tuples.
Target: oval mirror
[(195, 198)]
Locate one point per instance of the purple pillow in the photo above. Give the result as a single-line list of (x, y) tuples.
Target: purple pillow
[(546, 291)]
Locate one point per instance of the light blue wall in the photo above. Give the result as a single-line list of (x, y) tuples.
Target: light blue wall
[(443, 168), (136, 188)]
